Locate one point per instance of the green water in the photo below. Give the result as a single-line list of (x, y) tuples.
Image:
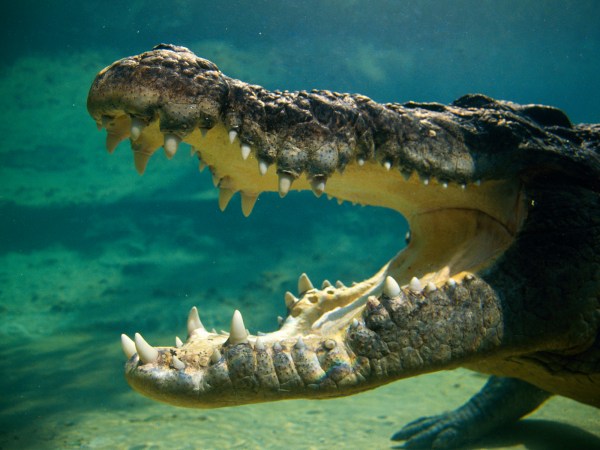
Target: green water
[(88, 249)]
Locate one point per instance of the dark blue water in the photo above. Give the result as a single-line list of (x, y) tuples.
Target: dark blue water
[(88, 249)]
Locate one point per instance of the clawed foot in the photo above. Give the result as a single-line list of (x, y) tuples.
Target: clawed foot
[(442, 431)]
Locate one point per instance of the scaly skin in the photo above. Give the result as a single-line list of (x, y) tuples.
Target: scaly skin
[(501, 274)]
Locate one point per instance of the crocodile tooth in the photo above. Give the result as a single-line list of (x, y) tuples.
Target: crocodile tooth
[(360, 161), (263, 166), (201, 166), (112, 141), (354, 323), (415, 285), (444, 184), (430, 287), (463, 186), (248, 202), (137, 126), (224, 197), (259, 345), (451, 282), (304, 284), (425, 181), (146, 352), (177, 363), (216, 180), (285, 182), (318, 186), (277, 347), (339, 284), (171, 144), (140, 160), (216, 356), (128, 346), (387, 165), (238, 334), (300, 344), (232, 136), (280, 320), (178, 342), (391, 288), (245, 148), (193, 321), (325, 284), (290, 300)]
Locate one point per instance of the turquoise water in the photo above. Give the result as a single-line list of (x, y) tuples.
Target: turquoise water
[(88, 249)]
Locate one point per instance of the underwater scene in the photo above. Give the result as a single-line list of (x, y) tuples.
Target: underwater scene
[(89, 249)]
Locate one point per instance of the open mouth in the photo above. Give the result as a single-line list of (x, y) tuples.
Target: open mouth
[(253, 141)]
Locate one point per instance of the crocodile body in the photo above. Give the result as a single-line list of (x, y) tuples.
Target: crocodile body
[(502, 269)]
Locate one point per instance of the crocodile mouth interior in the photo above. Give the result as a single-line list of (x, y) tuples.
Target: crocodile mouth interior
[(457, 229)]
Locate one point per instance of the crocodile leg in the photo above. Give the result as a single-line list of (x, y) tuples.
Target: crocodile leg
[(500, 402)]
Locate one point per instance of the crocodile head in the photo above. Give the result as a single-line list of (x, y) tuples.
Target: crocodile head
[(457, 173)]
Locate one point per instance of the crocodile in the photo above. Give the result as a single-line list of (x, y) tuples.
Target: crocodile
[(500, 273)]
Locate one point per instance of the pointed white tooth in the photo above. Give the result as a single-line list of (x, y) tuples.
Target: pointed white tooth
[(216, 356), (391, 288), (224, 197), (463, 186), (260, 333), (360, 161), (201, 166), (259, 345), (140, 160), (146, 352), (285, 182), (263, 166), (177, 363), (339, 284), (137, 126), (232, 136), (304, 284), (290, 300), (325, 284), (425, 181), (178, 342), (430, 287), (128, 346), (238, 333), (171, 144), (415, 285), (318, 186), (387, 165), (300, 345), (245, 148), (354, 323), (451, 282), (280, 320), (216, 180), (193, 321), (223, 332), (277, 347), (444, 184), (248, 202)]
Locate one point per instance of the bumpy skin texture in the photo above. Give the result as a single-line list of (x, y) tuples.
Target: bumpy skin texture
[(527, 310)]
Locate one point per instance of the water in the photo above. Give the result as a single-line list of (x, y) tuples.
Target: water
[(88, 249)]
